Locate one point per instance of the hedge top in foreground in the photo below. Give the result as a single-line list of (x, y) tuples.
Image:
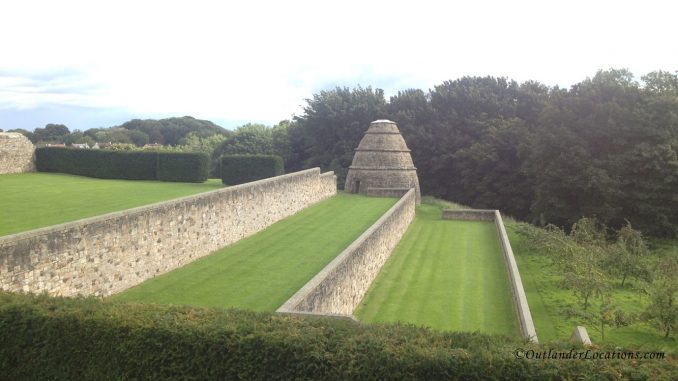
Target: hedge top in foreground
[(130, 165), (63, 338)]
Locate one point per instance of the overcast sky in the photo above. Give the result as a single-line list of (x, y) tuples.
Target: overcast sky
[(99, 63)]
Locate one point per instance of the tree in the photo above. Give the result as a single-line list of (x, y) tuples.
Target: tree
[(626, 256), (663, 307), (23, 132), (52, 133), (332, 125)]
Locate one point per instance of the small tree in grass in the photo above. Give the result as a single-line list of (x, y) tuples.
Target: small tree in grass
[(581, 261), (626, 256), (663, 307)]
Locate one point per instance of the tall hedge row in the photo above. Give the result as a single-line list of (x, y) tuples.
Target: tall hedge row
[(239, 169), (129, 165), (44, 338)]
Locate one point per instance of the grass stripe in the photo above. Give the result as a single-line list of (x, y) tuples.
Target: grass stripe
[(448, 275), (262, 271)]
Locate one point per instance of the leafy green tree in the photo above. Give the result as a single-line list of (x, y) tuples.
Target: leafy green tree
[(114, 135), (663, 307), (626, 259), (332, 125), (249, 139), (170, 131), (139, 138), (52, 133), (26, 133)]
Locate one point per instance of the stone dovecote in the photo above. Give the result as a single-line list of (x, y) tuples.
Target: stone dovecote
[(382, 164)]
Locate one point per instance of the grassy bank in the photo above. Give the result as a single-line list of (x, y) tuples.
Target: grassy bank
[(448, 275), (261, 272), (34, 200)]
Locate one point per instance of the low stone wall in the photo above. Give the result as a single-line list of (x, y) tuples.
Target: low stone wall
[(468, 214), (341, 285), (109, 253), (387, 192), (519, 298), (520, 305), (17, 153), (328, 183)]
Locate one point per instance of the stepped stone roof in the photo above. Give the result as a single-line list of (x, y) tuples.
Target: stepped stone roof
[(382, 164)]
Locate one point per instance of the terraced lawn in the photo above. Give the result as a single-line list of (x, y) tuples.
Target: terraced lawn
[(34, 200), (262, 271), (447, 275)]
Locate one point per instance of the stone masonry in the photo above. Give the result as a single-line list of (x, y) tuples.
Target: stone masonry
[(17, 153), (107, 254), (340, 287)]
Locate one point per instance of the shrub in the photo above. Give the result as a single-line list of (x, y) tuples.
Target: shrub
[(47, 338), (183, 166), (129, 165), (238, 169)]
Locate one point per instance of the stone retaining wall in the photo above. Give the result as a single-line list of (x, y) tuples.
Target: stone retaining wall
[(109, 253), (468, 214), (520, 305), (17, 153), (387, 192), (341, 285)]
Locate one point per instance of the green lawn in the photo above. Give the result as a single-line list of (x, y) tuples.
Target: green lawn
[(263, 271), (34, 200), (448, 275), (549, 302)]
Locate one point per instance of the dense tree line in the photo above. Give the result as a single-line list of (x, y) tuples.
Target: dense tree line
[(606, 148), (169, 131)]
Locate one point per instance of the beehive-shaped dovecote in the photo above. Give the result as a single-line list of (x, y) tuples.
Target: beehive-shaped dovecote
[(382, 165)]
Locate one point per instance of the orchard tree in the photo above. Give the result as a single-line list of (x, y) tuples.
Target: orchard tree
[(626, 256), (663, 307)]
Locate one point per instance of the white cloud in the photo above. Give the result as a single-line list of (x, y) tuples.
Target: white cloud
[(258, 60)]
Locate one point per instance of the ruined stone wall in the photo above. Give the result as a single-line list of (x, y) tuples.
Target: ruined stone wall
[(17, 153), (342, 284), (109, 253)]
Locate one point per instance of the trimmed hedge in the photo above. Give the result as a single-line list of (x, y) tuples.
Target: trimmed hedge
[(187, 167), (129, 165), (45, 338), (239, 169)]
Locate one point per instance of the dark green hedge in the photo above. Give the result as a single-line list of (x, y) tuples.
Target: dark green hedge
[(129, 165), (183, 166), (239, 169), (44, 338)]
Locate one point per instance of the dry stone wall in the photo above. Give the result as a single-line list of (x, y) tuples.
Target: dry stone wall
[(17, 153), (107, 254), (342, 284)]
